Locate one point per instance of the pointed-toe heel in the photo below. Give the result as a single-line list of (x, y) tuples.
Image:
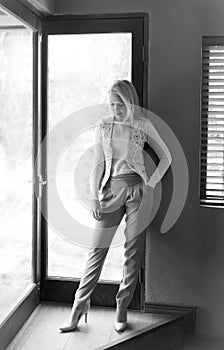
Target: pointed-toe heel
[(67, 327), (70, 326), (120, 323), (120, 326)]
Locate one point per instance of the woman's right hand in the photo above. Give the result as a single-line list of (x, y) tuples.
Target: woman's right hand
[(96, 209)]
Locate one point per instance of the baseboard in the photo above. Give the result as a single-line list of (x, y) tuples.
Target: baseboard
[(189, 313), (205, 342)]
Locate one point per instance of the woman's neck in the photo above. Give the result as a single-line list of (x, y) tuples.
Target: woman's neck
[(125, 120)]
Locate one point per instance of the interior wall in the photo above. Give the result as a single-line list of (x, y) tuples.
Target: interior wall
[(47, 4), (184, 266), (44, 6)]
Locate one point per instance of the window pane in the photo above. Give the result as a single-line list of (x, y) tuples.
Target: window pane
[(16, 112), (81, 69)]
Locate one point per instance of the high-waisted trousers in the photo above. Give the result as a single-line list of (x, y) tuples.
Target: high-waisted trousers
[(121, 195)]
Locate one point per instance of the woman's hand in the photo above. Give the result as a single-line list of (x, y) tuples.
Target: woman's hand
[(150, 185), (96, 209)]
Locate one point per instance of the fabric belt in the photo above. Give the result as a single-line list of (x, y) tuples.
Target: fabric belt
[(130, 178)]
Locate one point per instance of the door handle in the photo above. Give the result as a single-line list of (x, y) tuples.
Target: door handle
[(39, 185)]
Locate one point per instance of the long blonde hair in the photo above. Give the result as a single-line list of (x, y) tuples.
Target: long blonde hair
[(127, 92)]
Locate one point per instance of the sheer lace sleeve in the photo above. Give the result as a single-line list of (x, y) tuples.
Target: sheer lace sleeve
[(160, 148), (98, 165)]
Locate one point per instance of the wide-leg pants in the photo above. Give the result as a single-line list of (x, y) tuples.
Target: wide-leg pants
[(117, 199)]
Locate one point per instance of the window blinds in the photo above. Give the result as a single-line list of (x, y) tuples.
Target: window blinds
[(212, 122)]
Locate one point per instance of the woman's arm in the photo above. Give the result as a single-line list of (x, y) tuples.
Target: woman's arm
[(97, 172), (158, 145)]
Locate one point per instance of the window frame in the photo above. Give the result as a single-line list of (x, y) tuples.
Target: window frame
[(205, 95)]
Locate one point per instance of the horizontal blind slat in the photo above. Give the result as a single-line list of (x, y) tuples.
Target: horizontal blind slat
[(215, 173), (206, 87), (207, 45), (211, 203), (212, 109), (212, 120), (214, 93), (219, 192), (212, 167), (212, 135), (215, 80), (212, 149), (208, 73), (209, 54), (214, 113), (211, 154), (209, 62), (217, 178), (212, 164), (212, 98), (206, 156), (213, 127)]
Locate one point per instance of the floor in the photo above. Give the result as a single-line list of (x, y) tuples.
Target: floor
[(41, 329)]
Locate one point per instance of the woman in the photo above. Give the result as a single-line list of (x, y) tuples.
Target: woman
[(116, 185)]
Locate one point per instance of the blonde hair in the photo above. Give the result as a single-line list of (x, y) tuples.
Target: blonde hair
[(128, 94)]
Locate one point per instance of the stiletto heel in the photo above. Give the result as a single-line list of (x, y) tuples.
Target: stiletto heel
[(120, 323), (69, 326)]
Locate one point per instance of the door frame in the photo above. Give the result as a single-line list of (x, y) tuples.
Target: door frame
[(63, 289), (29, 300)]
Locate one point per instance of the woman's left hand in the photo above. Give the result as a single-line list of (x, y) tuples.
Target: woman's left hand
[(149, 185), (96, 209)]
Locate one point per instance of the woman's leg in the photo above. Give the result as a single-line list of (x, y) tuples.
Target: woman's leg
[(134, 248), (134, 253), (103, 234)]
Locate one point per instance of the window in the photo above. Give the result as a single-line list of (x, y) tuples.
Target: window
[(16, 148), (19, 139), (76, 79), (212, 122)]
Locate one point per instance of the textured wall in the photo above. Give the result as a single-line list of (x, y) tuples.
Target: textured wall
[(186, 264)]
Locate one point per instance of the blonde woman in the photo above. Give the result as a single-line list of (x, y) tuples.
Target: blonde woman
[(116, 185)]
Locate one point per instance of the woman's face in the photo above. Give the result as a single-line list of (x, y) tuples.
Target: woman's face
[(118, 107)]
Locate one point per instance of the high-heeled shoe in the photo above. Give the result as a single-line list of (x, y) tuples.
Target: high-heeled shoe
[(120, 323), (120, 326), (70, 326)]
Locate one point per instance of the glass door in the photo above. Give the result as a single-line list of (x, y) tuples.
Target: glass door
[(81, 64), (18, 210)]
